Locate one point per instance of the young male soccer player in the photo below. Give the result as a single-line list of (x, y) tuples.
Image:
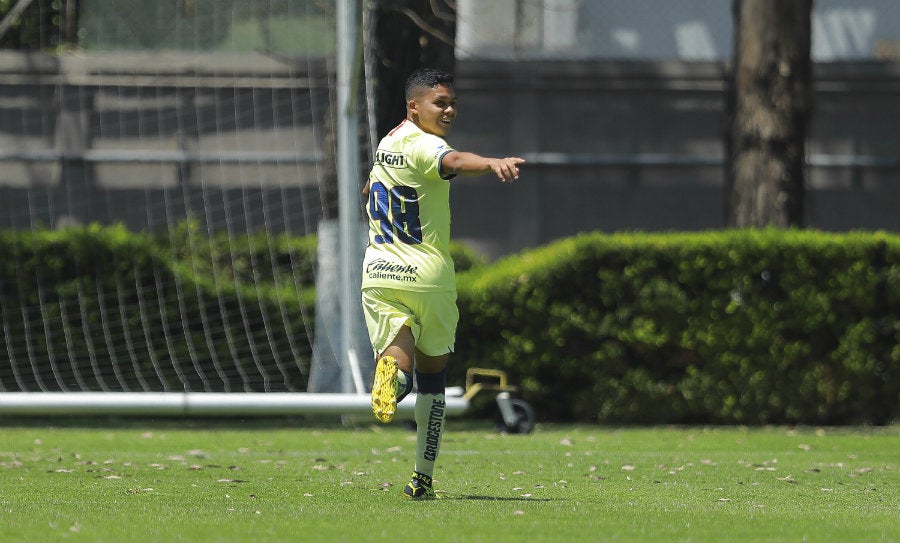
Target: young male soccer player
[(409, 286)]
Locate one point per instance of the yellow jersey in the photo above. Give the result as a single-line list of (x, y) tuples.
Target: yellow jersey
[(409, 214)]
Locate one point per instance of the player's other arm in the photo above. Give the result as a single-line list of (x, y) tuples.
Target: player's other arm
[(463, 163)]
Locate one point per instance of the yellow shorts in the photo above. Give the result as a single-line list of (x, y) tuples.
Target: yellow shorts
[(432, 317)]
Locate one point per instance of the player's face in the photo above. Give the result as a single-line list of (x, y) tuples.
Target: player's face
[(434, 110)]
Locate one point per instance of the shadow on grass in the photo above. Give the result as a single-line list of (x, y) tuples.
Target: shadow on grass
[(477, 497)]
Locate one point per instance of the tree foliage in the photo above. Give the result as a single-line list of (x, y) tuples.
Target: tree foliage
[(37, 24)]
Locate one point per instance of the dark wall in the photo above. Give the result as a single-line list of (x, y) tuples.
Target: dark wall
[(149, 139), (637, 146), (238, 144)]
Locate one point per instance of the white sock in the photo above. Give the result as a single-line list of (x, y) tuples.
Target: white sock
[(430, 417)]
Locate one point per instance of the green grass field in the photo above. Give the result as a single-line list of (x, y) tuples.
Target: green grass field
[(262, 481)]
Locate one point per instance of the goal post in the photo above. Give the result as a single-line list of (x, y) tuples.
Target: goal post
[(202, 404), (203, 125)]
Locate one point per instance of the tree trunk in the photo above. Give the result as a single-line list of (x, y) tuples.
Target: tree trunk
[(769, 109), (409, 34)]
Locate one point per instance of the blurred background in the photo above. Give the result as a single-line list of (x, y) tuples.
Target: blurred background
[(145, 113), (218, 117)]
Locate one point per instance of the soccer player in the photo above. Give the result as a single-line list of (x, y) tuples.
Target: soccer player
[(409, 286)]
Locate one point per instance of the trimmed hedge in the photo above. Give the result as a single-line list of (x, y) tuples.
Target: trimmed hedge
[(101, 308), (735, 327), (245, 259), (98, 308)]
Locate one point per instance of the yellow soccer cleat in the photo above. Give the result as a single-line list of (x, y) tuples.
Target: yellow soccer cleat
[(384, 389)]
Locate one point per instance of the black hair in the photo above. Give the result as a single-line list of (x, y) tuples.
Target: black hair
[(426, 78)]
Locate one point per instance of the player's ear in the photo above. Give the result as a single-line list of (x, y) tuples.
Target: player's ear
[(412, 106)]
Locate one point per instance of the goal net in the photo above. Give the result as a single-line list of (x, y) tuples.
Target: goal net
[(165, 187)]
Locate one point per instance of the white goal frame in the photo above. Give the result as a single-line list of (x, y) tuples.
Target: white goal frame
[(354, 398), (204, 404)]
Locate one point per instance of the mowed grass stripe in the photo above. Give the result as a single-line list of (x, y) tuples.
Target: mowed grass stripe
[(190, 481)]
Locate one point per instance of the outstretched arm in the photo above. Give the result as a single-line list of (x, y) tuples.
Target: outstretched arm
[(463, 163)]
